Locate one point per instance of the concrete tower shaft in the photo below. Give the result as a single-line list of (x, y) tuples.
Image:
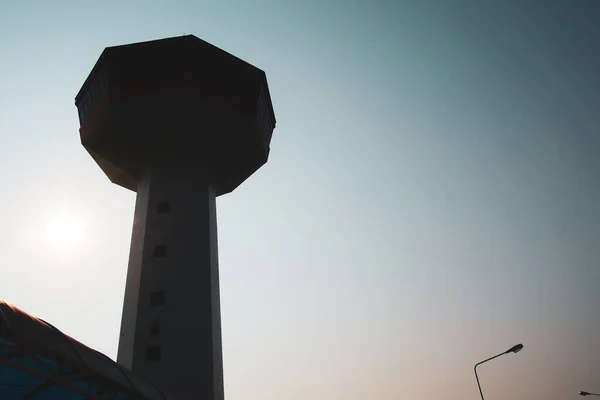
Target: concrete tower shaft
[(180, 122), (171, 325)]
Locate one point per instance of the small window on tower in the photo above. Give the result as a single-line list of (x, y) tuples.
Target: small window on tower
[(155, 329), (157, 298), (153, 353), (164, 207), (160, 250)]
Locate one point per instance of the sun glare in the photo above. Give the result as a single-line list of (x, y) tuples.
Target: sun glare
[(64, 231)]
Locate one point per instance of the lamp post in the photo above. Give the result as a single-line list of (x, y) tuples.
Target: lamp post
[(515, 349), (582, 393)]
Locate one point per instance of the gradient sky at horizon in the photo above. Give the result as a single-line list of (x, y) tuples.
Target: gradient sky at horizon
[(432, 196)]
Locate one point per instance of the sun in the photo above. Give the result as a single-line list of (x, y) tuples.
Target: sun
[(65, 231)]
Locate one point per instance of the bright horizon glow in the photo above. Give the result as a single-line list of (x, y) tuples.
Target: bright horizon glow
[(65, 231)]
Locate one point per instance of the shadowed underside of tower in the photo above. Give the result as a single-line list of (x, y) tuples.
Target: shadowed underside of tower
[(180, 122)]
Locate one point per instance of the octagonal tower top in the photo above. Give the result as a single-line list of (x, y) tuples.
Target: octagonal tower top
[(175, 100)]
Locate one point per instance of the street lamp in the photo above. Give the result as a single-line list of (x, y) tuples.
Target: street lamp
[(515, 349), (582, 393)]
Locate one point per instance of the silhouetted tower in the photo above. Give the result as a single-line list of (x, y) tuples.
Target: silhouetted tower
[(180, 122)]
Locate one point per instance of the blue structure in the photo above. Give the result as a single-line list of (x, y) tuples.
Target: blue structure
[(39, 362)]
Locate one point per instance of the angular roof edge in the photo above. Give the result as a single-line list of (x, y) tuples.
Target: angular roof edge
[(34, 334), (98, 63)]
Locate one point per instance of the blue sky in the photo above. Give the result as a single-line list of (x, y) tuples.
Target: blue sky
[(431, 197)]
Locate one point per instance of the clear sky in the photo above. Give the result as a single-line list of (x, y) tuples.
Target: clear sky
[(432, 196)]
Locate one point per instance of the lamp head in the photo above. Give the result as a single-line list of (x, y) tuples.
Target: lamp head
[(582, 393), (515, 349)]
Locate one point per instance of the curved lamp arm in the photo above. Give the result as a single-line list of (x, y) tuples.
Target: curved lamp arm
[(514, 349)]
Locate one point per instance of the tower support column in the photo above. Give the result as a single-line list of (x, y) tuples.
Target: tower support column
[(171, 325)]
